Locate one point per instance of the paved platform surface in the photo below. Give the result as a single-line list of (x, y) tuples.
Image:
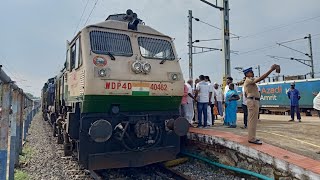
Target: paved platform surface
[(301, 161), (299, 137)]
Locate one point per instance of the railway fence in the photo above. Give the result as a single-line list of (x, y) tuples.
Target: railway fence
[(16, 113)]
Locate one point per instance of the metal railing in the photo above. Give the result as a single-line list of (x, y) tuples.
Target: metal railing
[(17, 112)]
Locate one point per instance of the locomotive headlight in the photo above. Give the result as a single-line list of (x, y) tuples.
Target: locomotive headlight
[(100, 131), (146, 68), (136, 67), (102, 73)]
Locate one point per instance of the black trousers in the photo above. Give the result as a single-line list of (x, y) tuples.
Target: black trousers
[(212, 114), (245, 114)]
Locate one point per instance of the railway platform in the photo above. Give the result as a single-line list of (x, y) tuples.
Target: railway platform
[(293, 145)]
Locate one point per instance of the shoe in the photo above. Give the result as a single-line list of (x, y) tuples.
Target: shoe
[(199, 127), (244, 127), (299, 120), (291, 120), (258, 142)]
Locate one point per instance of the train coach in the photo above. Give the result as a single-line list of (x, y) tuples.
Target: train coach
[(274, 95), (116, 102)]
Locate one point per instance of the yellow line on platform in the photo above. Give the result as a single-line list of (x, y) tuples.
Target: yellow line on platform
[(291, 138)]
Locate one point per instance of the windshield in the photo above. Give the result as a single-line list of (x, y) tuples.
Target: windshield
[(107, 42), (155, 48)]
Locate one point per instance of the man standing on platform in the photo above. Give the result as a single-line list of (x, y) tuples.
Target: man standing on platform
[(245, 108), (189, 110), (294, 96), (253, 99), (195, 106), (205, 93), (219, 98)]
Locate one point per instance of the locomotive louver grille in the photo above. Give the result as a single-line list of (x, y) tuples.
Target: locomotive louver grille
[(82, 76)]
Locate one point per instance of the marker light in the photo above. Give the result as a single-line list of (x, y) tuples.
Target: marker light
[(102, 73), (174, 77)]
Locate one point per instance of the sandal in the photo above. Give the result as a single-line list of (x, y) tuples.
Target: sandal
[(258, 142)]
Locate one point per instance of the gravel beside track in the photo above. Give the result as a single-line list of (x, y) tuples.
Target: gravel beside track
[(47, 161), (200, 171)]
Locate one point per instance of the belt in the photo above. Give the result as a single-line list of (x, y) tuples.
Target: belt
[(254, 98)]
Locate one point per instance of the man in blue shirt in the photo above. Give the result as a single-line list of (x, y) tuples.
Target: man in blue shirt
[(294, 97)]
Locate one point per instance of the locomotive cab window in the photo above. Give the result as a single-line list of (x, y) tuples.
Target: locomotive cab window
[(110, 43), (75, 61), (155, 48)]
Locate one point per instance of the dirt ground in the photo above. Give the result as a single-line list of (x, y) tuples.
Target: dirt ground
[(299, 137)]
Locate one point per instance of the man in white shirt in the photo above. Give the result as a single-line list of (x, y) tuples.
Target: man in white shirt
[(245, 108), (189, 110), (204, 93), (218, 98)]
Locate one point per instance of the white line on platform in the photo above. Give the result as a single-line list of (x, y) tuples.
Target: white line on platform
[(291, 138)]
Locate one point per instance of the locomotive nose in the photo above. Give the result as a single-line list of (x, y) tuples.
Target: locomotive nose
[(180, 126)]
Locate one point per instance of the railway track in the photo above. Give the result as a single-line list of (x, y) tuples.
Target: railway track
[(173, 174), (157, 171)]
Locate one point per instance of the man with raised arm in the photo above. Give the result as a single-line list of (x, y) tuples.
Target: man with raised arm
[(253, 97)]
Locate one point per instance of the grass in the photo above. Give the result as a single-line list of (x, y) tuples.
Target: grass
[(24, 160), (20, 175), (27, 153)]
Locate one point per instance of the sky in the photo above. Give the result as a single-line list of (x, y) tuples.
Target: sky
[(33, 33)]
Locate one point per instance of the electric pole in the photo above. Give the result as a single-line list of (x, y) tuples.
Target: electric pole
[(311, 56), (226, 38), (190, 46), (306, 62)]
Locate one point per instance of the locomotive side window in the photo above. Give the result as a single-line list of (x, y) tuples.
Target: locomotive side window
[(78, 63), (67, 60), (155, 48), (75, 55), (107, 42)]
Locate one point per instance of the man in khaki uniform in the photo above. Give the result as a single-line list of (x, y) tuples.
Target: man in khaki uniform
[(253, 98)]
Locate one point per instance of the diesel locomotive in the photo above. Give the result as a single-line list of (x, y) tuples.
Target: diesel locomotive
[(116, 101)]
